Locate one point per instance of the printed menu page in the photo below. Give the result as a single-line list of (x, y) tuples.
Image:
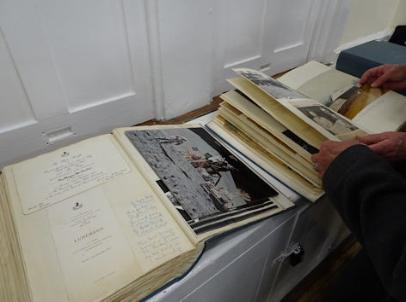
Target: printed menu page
[(58, 175), (93, 252)]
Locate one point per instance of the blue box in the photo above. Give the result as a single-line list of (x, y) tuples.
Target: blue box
[(358, 59)]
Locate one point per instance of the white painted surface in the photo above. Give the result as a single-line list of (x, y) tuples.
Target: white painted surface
[(187, 44), (290, 25), (319, 230), (243, 265), (400, 16), (15, 106), (328, 29), (232, 267), (381, 35), (368, 17), (244, 28), (72, 68), (272, 35)]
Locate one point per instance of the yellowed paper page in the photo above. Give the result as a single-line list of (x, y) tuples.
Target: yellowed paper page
[(260, 157), (117, 226), (271, 146), (279, 112), (55, 176), (266, 121), (311, 112), (386, 113), (328, 122), (323, 86), (297, 77), (92, 250), (154, 236)]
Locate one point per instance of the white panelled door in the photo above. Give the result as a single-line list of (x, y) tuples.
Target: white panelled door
[(68, 70), (199, 42), (290, 26), (271, 35)]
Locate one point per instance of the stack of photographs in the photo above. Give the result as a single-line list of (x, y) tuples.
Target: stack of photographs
[(279, 128)]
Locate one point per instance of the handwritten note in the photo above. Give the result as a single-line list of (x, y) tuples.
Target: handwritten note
[(58, 175), (156, 239)]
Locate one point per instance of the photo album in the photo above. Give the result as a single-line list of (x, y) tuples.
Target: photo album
[(117, 216), (279, 124)]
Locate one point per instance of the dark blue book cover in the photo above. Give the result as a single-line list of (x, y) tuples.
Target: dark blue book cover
[(358, 59)]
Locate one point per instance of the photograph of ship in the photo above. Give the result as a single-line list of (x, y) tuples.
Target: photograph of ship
[(206, 183)]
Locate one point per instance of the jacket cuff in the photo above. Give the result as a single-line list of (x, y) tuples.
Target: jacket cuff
[(347, 160)]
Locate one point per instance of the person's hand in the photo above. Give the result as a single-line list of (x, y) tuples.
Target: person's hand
[(388, 76), (391, 145), (328, 151)]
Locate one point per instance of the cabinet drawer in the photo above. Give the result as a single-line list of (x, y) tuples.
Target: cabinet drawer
[(318, 230)]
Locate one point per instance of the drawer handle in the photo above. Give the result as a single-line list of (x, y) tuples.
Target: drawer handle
[(294, 252)]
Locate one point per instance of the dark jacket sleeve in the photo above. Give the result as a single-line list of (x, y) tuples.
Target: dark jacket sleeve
[(371, 198)]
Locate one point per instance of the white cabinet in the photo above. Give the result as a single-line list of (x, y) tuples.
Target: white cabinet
[(318, 230), (252, 264), (233, 266)]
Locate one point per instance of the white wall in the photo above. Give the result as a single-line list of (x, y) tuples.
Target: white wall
[(201, 41), (369, 18), (400, 16)]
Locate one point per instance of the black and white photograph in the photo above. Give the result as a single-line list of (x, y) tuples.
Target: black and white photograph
[(273, 87), (328, 119), (342, 100), (351, 100), (207, 184)]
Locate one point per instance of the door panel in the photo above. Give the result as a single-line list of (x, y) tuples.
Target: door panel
[(186, 41), (271, 35), (244, 30), (97, 42), (70, 69), (15, 106), (290, 26)]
